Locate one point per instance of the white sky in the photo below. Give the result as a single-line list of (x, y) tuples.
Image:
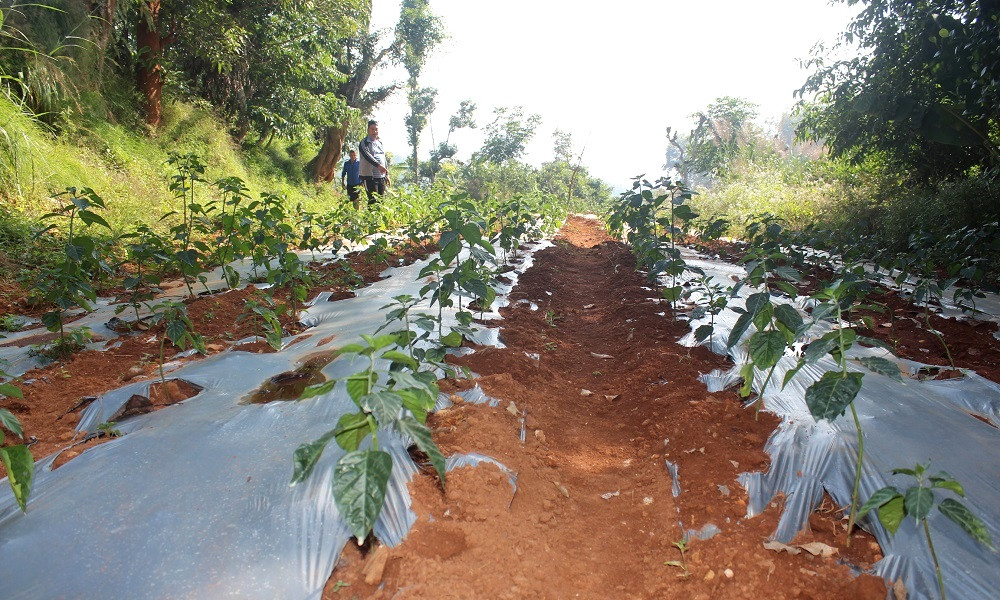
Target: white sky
[(613, 74)]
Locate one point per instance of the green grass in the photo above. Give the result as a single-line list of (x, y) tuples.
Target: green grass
[(126, 166)]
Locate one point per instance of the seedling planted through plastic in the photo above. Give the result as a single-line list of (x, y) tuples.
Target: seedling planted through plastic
[(177, 328), (918, 501), (361, 476)]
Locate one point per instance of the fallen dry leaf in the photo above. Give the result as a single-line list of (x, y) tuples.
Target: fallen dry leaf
[(512, 409), (819, 549), (778, 547)]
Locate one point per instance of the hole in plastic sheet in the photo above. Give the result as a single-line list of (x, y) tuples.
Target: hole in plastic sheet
[(160, 396), (423, 462), (937, 374), (290, 384), (981, 418)]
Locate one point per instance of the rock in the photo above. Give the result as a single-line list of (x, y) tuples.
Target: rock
[(540, 435), (728, 573), (586, 393), (375, 566), (710, 575), (512, 409)]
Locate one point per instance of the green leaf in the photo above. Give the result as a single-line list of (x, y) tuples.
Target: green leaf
[(829, 397), (11, 391), (747, 374), (9, 422), (882, 366), (948, 484), (306, 456), (819, 348), (868, 341), (786, 272), (891, 514), (415, 402), (909, 472), (352, 429), (383, 341), (918, 502), (671, 293), (877, 499), (317, 390), (175, 330), (763, 318), (385, 406), (452, 340), (471, 233), (399, 357), (351, 349), (359, 484), (20, 470), (421, 435), (789, 374), (766, 347), (702, 333), (756, 302), (357, 385), (741, 326), (973, 525), (787, 288), (788, 316)]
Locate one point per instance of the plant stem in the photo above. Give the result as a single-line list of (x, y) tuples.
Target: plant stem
[(857, 475), (760, 397), (937, 567), (927, 320)]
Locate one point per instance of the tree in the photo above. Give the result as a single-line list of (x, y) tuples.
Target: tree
[(464, 117), (923, 90), (362, 55), (723, 130), (562, 145), (418, 32), (507, 135)]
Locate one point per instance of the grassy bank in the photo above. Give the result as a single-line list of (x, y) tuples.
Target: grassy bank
[(127, 167)]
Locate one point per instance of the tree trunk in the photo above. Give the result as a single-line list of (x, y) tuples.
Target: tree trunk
[(416, 167), (325, 168), (149, 75)]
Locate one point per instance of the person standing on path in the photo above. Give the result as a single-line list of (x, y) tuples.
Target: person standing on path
[(374, 168), (350, 178)]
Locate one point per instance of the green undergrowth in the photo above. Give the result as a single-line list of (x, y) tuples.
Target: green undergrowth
[(127, 167)]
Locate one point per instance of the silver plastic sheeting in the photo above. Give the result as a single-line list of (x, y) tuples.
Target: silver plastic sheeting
[(903, 424), (194, 500)]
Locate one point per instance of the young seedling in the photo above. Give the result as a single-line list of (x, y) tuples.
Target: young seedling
[(177, 328), (261, 310), (682, 563), (67, 284), (918, 501), (361, 476)]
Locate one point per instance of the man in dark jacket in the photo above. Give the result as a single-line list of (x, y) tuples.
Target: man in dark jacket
[(374, 168), (350, 178)]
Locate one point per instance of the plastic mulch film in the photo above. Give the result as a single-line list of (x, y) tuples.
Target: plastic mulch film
[(903, 424), (194, 501)]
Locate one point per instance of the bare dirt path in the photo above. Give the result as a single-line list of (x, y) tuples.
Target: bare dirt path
[(609, 397)]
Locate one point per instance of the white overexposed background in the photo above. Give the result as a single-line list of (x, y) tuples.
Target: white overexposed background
[(613, 74)]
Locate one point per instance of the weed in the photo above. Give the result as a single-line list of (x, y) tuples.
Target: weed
[(682, 563), (10, 323), (109, 429)]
